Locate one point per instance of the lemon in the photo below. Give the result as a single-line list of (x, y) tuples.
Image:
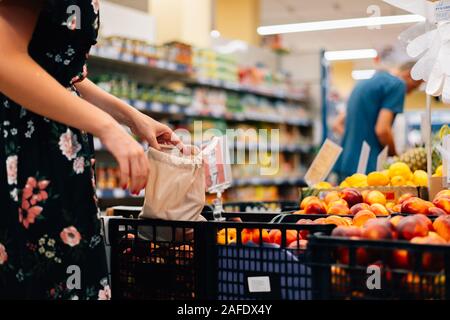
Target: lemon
[(400, 169), (377, 179), (344, 184), (323, 185), (420, 178), (411, 184), (357, 180), (438, 172), (398, 181)]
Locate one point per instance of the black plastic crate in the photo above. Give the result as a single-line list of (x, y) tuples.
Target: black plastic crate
[(258, 270), (157, 260), (406, 271)]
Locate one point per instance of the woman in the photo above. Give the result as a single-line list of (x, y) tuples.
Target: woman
[(50, 242)]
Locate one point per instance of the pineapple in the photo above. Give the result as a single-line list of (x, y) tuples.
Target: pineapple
[(416, 159)]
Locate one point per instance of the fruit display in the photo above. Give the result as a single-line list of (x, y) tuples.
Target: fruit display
[(351, 201), (397, 175)]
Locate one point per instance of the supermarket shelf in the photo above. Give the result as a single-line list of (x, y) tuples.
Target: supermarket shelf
[(220, 84), (144, 70), (153, 70), (161, 108), (259, 181)]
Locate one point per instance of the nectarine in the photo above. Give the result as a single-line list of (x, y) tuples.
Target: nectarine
[(306, 200), (358, 207), (445, 193), (347, 232), (339, 221), (377, 229), (331, 197), (414, 205), (379, 209), (443, 203), (362, 216), (395, 220), (375, 196), (352, 196), (411, 227), (442, 227), (257, 235), (315, 207), (404, 197), (435, 211), (338, 209)]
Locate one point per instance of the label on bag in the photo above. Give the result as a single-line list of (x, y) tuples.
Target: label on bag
[(323, 163), (442, 11), (363, 158), (216, 156), (258, 284), (382, 158)]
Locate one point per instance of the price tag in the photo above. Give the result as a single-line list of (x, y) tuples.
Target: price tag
[(156, 107), (382, 158), (216, 155), (258, 284), (446, 159), (323, 163), (139, 104), (363, 158)]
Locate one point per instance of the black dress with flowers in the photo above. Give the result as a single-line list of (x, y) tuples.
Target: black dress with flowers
[(50, 241)]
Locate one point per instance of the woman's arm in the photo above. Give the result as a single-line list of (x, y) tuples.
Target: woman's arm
[(141, 125), (25, 82)]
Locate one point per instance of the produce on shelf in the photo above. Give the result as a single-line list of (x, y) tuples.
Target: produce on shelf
[(397, 175), (351, 201)]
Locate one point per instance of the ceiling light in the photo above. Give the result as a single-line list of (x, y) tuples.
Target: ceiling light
[(339, 24), (363, 74), (351, 54)]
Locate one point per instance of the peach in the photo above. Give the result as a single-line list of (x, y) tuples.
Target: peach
[(362, 256), (377, 229), (404, 197), (338, 209), (411, 227), (442, 227), (431, 261), (320, 221), (348, 220), (358, 207), (257, 235), (352, 196), (445, 193), (397, 208), (306, 200), (338, 221), (338, 202), (435, 211), (364, 194), (362, 216), (423, 218), (347, 232), (442, 203), (275, 236), (375, 196), (304, 221), (315, 207), (414, 205), (401, 259), (379, 209), (395, 220), (246, 235), (331, 197), (390, 205)]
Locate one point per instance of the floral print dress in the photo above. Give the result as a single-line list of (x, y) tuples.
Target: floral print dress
[(50, 241)]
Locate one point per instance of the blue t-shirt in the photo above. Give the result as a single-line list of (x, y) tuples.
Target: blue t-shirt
[(382, 91)]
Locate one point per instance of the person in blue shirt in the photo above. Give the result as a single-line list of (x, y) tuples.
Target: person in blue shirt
[(371, 110)]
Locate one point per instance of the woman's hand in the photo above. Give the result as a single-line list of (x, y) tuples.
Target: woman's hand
[(130, 155), (153, 132)]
